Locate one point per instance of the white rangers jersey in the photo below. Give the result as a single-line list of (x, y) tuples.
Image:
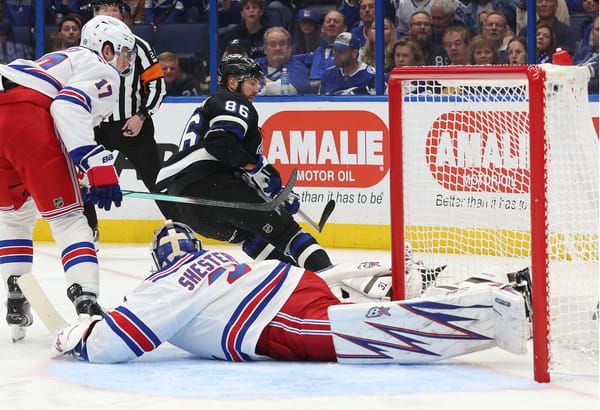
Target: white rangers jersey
[(205, 303), (83, 86)]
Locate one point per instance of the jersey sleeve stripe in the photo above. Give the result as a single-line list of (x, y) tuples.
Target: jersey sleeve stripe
[(75, 96), (189, 160), (248, 311), (40, 74), (136, 335), (221, 120), (152, 84)]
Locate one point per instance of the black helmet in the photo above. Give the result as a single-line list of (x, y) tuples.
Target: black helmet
[(238, 66)]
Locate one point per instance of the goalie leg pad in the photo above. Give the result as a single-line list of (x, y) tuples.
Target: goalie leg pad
[(415, 331), (511, 327)]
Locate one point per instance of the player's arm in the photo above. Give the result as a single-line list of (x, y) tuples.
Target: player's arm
[(80, 105), (232, 121)]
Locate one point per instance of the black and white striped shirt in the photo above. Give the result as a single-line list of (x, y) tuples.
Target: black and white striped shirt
[(144, 89)]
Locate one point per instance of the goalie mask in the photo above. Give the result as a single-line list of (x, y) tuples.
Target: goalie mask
[(105, 29), (238, 66), (172, 241)]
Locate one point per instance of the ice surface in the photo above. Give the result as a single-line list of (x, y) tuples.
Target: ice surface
[(170, 378)]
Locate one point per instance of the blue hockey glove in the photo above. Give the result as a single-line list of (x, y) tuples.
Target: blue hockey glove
[(105, 196), (104, 187), (292, 203), (265, 177)]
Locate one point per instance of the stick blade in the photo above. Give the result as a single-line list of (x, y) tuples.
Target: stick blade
[(327, 211), (40, 303)]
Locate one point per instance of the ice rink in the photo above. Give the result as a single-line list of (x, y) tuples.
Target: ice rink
[(172, 379)]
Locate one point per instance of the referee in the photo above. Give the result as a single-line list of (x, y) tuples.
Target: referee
[(130, 129)]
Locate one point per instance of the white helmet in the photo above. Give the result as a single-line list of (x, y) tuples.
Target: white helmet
[(101, 29)]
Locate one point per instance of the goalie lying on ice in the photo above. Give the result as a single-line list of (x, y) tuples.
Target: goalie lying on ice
[(208, 304)]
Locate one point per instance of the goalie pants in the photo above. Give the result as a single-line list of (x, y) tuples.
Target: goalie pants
[(301, 330)]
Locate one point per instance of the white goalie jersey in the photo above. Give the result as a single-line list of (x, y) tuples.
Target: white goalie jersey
[(205, 303)]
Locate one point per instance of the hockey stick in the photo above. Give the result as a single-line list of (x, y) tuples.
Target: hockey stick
[(327, 211), (40, 302), (270, 205)]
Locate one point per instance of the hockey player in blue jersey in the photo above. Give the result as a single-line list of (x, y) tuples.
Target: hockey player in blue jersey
[(207, 303), (220, 157), (348, 76)]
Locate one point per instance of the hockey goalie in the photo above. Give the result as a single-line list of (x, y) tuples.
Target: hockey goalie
[(208, 304)]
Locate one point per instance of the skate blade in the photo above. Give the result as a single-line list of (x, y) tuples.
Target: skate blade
[(17, 333)]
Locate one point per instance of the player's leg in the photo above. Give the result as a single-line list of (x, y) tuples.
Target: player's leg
[(301, 330), (210, 224), (451, 321), (17, 213), (16, 259), (276, 228), (89, 210), (370, 281), (51, 179)]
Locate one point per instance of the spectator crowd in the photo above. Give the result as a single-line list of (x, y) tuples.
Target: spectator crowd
[(328, 47)]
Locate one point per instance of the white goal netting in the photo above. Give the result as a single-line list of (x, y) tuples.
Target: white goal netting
[(466, 184)]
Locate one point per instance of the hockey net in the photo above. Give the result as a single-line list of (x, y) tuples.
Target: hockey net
[(498, 166)]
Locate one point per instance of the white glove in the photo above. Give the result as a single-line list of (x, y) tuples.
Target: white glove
[(70, 338)]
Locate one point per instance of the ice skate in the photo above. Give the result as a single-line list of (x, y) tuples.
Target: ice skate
[(18, 310), (85, 302)]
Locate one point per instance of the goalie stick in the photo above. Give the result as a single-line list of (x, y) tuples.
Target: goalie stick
[(269, 205), (327, 211), (40, 302)]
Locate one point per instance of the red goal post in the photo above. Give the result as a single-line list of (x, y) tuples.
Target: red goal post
[(498, 166)]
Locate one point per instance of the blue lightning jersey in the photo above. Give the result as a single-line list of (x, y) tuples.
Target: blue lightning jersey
[(334, 82)]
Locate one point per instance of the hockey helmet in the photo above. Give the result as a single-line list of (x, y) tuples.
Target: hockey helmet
[(102, 29), (172, 241), (238, 66)]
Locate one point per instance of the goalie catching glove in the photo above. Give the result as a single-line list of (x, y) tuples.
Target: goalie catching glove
[(104, 189), (70, 338)]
